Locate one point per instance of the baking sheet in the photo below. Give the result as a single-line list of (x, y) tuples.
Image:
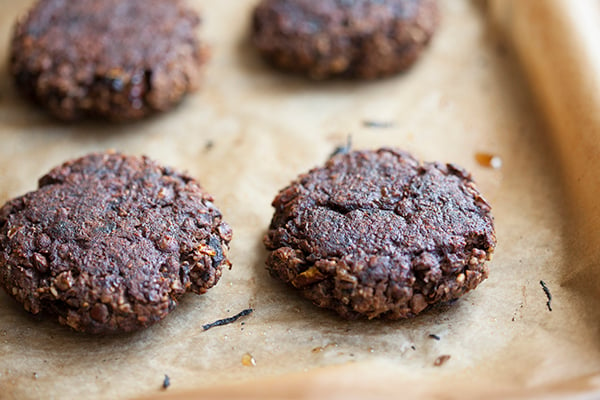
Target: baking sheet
[(245, 135)]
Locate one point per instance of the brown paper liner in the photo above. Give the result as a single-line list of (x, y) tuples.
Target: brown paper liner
[(558, 45), (464, 96)]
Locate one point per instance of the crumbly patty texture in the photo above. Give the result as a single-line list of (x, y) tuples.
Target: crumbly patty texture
[(378, 234), (363, 39), (109, 242), (112, 59)]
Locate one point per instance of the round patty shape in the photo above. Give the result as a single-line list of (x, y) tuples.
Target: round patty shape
[(363, 39), (109, 242), (378, 234), (113, 59)]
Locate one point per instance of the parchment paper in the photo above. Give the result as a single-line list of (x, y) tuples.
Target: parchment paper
[(465, 96)]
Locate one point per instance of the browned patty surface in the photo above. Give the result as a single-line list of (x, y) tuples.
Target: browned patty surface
[(109, 242), (112, 59), (378, 234), (362, 39)]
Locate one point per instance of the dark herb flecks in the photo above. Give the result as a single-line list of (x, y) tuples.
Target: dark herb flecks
[(377, 124), (166, 382), (432, 336), (343, 149), (229, 320), (548, 295)]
